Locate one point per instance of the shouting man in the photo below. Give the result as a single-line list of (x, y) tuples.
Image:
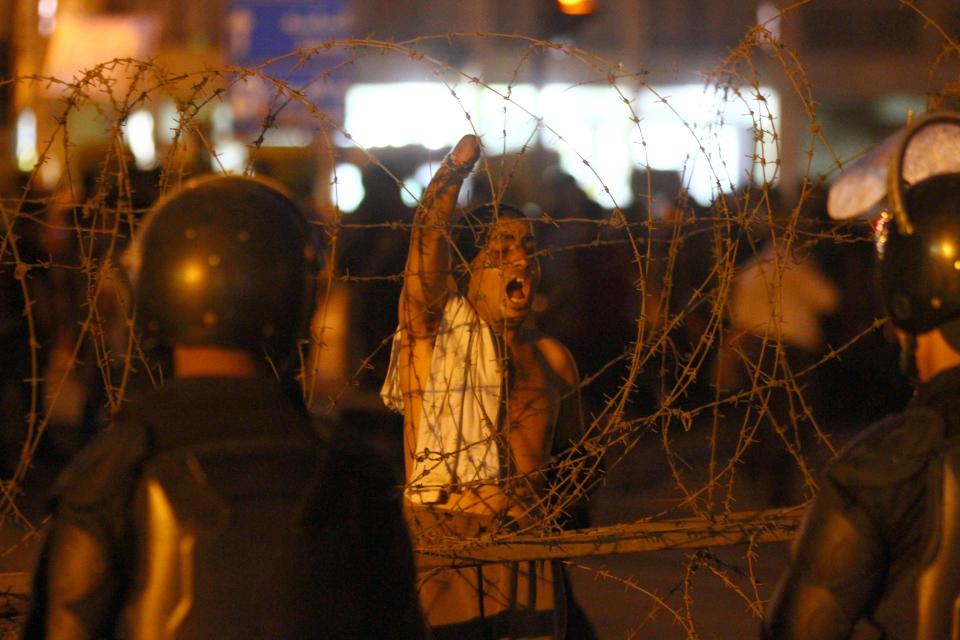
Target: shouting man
[(484, 397)]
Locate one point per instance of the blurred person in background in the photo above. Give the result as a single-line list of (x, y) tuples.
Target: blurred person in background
[(371, 251), (864, 382), (586, 266), (778, 301), (22, 282), (676, 259)]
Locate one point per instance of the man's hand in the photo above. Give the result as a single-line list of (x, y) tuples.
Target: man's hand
[(440, 198), (463, 156)]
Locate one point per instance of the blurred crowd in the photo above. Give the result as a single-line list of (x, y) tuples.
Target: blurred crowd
[(689, 303)]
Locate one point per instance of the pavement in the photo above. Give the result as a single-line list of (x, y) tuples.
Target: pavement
[(676, 594), (660, 595)]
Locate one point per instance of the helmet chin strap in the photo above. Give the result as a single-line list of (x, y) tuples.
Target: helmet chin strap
[(908, 359)]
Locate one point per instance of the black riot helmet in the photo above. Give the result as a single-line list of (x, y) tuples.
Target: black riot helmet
[(920, 270), (918, 242), (225, 261)]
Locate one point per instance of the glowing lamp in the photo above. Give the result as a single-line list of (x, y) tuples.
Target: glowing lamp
[(577, 7), (947, 250)]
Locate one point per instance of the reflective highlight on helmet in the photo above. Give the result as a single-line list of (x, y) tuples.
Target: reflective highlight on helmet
[(225, 261)]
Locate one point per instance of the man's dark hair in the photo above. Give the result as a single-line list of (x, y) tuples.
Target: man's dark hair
[(472, 233)]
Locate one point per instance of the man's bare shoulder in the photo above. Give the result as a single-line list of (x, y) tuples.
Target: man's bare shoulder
[(558, 358)]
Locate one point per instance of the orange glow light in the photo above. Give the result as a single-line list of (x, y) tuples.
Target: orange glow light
[(193, 274), (947, 250), (577, 7)]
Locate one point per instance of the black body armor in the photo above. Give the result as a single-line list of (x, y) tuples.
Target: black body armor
[(196, 511), (878, 556), (214, 508), (938, 587)]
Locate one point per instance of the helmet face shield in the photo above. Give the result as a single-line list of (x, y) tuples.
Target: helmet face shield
[(933, 148), (226, 262), (918, 237)]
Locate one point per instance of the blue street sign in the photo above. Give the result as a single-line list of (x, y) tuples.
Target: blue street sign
[(261, 30)]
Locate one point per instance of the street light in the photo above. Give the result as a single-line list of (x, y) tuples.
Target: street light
[(577, 7)]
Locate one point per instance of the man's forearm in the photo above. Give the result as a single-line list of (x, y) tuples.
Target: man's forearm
[(428, 262)]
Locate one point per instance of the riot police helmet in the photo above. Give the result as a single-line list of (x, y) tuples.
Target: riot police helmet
[(920, 269), (225, 261), (918, 239)]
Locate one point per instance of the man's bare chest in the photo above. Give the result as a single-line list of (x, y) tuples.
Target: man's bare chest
[(530, 396)]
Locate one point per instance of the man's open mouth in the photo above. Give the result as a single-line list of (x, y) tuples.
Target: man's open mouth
[(517, 290)]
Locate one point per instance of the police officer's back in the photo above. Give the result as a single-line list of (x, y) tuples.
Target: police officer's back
[(878, 555), (214, 507)]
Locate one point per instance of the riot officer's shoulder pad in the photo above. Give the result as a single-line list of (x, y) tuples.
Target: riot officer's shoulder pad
[(889, 452), (104, 468)]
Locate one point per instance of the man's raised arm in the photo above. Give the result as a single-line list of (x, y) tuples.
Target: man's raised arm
[(426, 280)]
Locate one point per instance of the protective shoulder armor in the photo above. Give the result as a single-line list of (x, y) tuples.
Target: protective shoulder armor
[(890, 452), (835, 570), (211, 520), (104, 468), (938, 586)]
